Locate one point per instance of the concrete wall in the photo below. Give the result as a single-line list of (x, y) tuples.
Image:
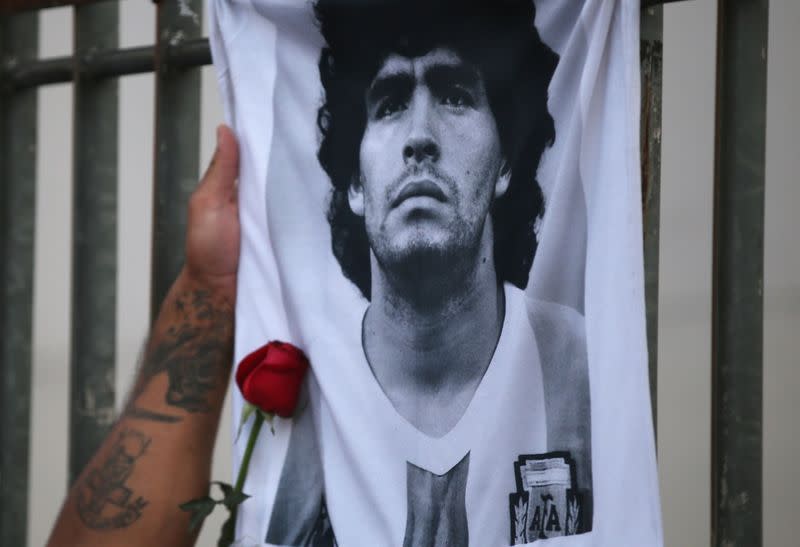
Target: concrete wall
[(685, 299)]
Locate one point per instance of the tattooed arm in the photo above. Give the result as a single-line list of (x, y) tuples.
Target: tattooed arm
[(158, 454)]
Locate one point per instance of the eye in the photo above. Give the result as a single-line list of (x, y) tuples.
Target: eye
[(388, 106), (457, 97)]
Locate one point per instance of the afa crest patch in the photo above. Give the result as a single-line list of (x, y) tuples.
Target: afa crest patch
[(548, 502)]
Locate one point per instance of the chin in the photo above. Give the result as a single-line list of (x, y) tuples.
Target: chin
[(424, 247), (421, 243), (420, 255)]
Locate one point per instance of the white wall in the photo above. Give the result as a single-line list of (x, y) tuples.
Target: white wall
[(782, 275), (684, 352), (684, 329)]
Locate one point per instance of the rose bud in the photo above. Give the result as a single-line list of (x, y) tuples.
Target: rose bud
[(270, 378)]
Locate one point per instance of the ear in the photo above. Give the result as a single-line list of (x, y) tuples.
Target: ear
[(503, 180), (355, 196)]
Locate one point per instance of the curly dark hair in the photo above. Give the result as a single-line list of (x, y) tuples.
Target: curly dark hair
[(499, 38)]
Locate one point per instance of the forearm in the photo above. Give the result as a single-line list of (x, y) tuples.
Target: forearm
[(158, 454)]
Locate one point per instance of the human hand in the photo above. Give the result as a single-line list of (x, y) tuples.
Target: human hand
[(212, 231)]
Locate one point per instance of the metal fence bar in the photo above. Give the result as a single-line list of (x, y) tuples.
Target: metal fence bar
[(18, 45), (94, 262), (738, 271), (107, 64), (652, 30), (177, 143), (14, 6)]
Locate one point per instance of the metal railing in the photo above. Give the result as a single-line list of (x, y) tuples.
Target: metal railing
[(94, 69)]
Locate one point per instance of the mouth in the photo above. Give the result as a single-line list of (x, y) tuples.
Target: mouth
[(420, 188)]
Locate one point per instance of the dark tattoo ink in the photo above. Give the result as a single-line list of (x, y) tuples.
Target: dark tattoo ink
[(144, 414), (193, 353), (104, 500)]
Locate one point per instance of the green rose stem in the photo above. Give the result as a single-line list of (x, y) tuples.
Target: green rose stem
[(229, 528)]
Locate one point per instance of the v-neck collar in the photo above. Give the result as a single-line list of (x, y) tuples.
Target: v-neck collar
[(440, 454)]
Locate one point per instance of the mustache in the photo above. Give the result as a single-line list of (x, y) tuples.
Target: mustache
[(426, 171)]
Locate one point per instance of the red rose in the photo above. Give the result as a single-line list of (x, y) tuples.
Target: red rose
[(270, 378)]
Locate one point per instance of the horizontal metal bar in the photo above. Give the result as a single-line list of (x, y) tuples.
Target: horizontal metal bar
[(189, 54), (15, 6), (653, 3), (49, 71), (105, 64), (116, 63)]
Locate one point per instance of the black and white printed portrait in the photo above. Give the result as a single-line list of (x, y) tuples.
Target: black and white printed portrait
[(470, 398)]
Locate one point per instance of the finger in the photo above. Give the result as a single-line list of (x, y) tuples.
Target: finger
[(220, 178)]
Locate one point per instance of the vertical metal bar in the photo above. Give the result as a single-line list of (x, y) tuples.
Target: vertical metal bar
[(738, 273), (18, 45), (177, 143), (94, 238), (652, 31)]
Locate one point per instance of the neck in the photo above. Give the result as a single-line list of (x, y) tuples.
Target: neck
[(440, 339)]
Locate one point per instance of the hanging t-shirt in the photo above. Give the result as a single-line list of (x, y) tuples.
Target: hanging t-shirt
[(440, 205)]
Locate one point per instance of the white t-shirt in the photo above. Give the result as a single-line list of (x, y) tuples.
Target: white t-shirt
[(589, 260), (480, 484), (504, 420)]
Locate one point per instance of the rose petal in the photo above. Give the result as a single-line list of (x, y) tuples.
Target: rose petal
[(270, 377), (249, 363)]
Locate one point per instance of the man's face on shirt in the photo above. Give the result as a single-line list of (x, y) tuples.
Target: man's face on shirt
[(431, 160)]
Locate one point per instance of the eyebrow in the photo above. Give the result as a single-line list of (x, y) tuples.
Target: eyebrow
[(436, 76), (439, 76), (389, 84)]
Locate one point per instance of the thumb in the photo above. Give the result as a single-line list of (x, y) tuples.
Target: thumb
[(220, 178)]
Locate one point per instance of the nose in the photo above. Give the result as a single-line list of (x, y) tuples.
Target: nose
[(421, 144)]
